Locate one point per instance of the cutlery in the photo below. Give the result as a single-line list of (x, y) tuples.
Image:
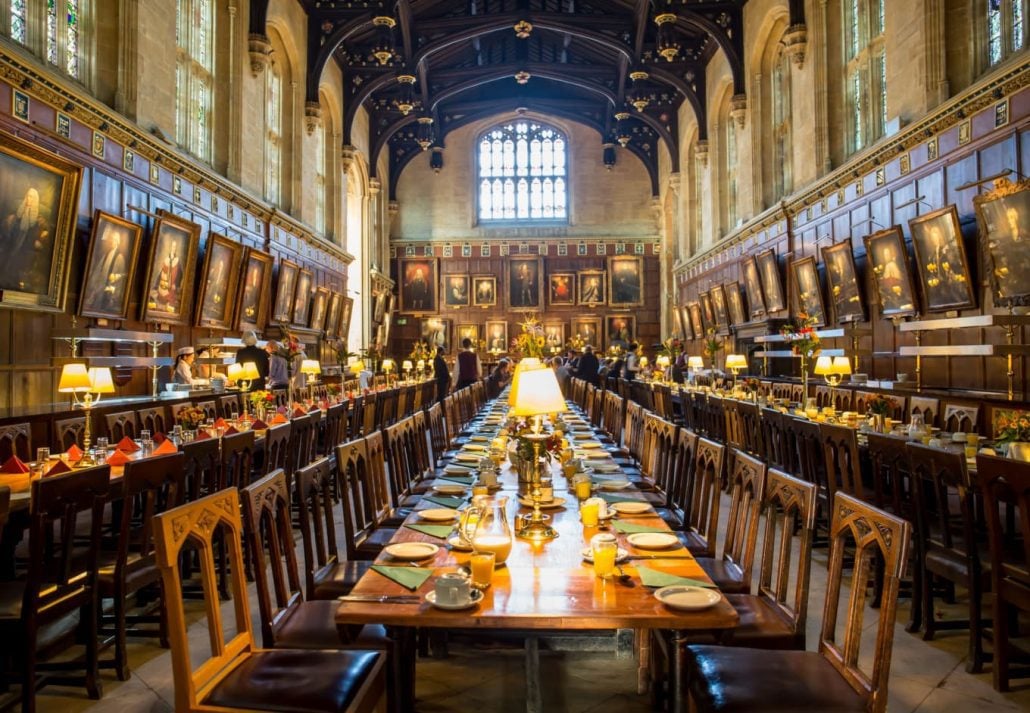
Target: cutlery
[(381, 598), (623, 578)]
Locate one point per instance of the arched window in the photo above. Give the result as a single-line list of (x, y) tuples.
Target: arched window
[(62, 36), (19, 19), (273, 133), (781, 134), (194, 76), (865, 71), (729, 168), (320, 182), (1005, 34), (699, 188), (522, 173)]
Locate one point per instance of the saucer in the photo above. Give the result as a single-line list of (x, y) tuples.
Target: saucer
[(630, 508), (457, 545), (653, 540), (438, 515), (411, 551), (588, 555), (475, 597), (686, 598), (445, 489)]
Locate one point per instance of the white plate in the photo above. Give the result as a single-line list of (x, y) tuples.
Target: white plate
[(479, 439), (613, 484), (411, 550), (653, 540), (475, 597), (457, 470), (588, 555), (457, 545), (467, 458), (686, 598), (445, 489), (556, 503), (438, 515), (630, 508), (474, 448), (589, 445)]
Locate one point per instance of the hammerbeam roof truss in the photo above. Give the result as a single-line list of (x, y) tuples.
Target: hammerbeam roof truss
[(576, 62)]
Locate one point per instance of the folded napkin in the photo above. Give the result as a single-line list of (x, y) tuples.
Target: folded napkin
[(446, 502), (165, 448), (409, 577), (279, 418), (610, 498), (159, 438), (202, 435), (299, 412), (462, 479), (127, 445), (654, 578), (14, 466), (74, 454), (118, 458), (220, 423), (59, 467), (258, 425), (629, 528), (230, 431), (441, 531)]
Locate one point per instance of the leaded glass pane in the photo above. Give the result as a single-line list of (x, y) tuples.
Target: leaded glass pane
[(51, 31), (994, 48), (18, 11), (1017, 25), (519, 150), (71, 49)]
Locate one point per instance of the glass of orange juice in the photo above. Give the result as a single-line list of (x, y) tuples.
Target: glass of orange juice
[(583, 487), (604, 549), (482, 565), (588, 513)]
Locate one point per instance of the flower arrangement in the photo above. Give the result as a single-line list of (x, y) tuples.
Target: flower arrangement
[(673, 346), (422, 351), (1012, 426), (712, 344), (289, 348), (880, 405), (749, 384), (259, 399), (802, 338), (333, 390), (530, 342), (191, 417)]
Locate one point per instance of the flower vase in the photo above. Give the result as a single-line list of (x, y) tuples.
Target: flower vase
[(879, 423), (804, 381)]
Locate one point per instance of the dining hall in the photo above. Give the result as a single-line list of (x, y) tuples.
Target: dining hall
[(543, 356)]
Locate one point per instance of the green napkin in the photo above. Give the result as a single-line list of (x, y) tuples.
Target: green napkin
[(410, 577), (629, 528), (610, 498), (463, 479), (441, 531), (444, 501), (654, 578)]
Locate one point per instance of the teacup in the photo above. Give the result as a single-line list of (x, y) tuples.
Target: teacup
[(452, 588)]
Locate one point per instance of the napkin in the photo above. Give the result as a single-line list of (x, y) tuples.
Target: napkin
[(259, 425), (220, 423), (74, 453), (609, 498), (165, 448), (279, 418), (14, 466), (202, 435), (59, 467), (441, 531), (461, 479), (410, 577), (299, 412), (444, 501), (159, 438), (654, 578), (230, 431), (127, 445), (629, 528), (118, 458)]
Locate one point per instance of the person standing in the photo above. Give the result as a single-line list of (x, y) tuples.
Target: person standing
[(184, 366), (278, 370), (632, 365), (441, 375), (588, 367), (251, 352), (467, 369)]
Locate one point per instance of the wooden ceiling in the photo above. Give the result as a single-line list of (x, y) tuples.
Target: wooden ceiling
[(575, 57)]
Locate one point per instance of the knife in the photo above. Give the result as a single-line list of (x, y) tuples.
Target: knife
[(382, 598)]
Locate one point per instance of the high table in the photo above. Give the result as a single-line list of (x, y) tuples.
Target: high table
[(544, 587)]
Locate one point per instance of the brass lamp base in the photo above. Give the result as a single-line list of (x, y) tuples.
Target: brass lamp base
[(535, 526), (536, 530)]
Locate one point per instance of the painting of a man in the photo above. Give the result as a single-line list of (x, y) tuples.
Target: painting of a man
[(253, 289), (1005, 216), (164, 293), (843, 282), (887, 257), (28, 232), (457, 291), (941, 259), (621, 331), (418, 284), (810, 298), (561, 289), (591, 288), (302, 300), (284, 291), (524, 283), (112, 257), (772, 288), (167, 293), (497, 336), (626, 276), (215, 300), (753, 288), (588, 329), (484, 291)]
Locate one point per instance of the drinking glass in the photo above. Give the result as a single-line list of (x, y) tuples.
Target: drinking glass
[(146, 440), (482, 565), (583, 487), (546, 490), (916, 427), (588, 513), (42, 456), (604, 550), (102, 444)]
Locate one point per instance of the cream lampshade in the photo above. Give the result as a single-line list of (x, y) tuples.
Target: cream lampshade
[(388, 365), (249, 371), (662, 361), (695, 362), (823, 366), (841, 365), (736, 362), (235, 372), (406, 365), (356, 367), (524, 365), (536, 393), (101, 381), (310, 367), (74, 379), (420, 364)]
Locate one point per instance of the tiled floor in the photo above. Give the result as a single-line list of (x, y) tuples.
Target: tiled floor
[(926, 677)]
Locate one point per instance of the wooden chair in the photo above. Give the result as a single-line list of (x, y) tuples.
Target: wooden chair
[(332, 430), (365, 497), (302, 443), (960, 417), (923, 406), (823, 396), (948, 543), (703, 516), (154, 419), (238, 675), (277, 447), (732, 571), (210, 408), (119, 425), (202, 467), (68, 431), (16, 440), (1004, 481), (60, 580), (840, 453), (355, 419), (229, 406), (774, 438), (368, 413), (676, 514), (437, 432), (148, 487), (751, 425), (722, 678), (237, 458)]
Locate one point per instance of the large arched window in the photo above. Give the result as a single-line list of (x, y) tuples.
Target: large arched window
[(1005, 34), (19, 30), (320, 180), (62, 43), (194, 76), (781, 134), (522, 173), (273, 133), (728, 166), (865, 71)]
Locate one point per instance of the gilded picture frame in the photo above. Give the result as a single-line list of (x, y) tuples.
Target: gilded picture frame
[(808, 292), (734, 303), (171, 265), (708, 310), (468, 331), (752, 287), (285, 289), (417, 280), (945, 279), (696, 321), (302, 298), (114, 247), (254, 301), (1003, 216), (496, 335), (588, 329), (842, 282), (722, 315), (591, 288), (688, 328), (620, 330), (436, 331), (892, 279), (625, 281), (561, 289), (484, 291), (456, 291), (346, 310), (332, 318), (219, 283), (677, 322), (319, 309), (772, 283), (525, 283), (554, 336)]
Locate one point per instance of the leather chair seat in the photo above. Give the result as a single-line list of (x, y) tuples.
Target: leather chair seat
[(297, 681), (312, 625), (697, 545), (761, 625), (337, 579), (953, 565), (730, 679), (726, 575)]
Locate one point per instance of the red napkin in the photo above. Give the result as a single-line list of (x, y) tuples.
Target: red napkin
[(74, 454), (279, 418), (230, 431), (127, 445), (118, 458), (59, 467), (159, 438), (165, 448), (258, 425), (14, 466), (220, 423), (298, 412), (202, 435)]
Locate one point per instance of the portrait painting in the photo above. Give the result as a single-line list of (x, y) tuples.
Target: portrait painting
[(708, 310), (625, 281), (808, 294), (588, 329), (524, 283), (688, 329), (384, 328), (302, 298), (346, 309), (621, 330), (772, 286), (497, 336), (677, 323), (456, 290), (170, 268), (436, 332), (591, 285), (110, 265), (332, 317), (1004, 218), (417, 284), (696, 322), (554, 336), (941, 263), (753, 287), (39, 194), (734, 303), (722, 317), (255, 290), (892, 280), (379, 306), (319, 308), (467, 331), (561, 289), (842, 281), (219, 282), (484, 291), (285, 289)]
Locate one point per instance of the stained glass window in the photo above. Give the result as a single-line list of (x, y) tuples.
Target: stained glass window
[(1004, 29), (273, 133), (866, 71), (781, 101), (63, 18), (730, 171), (995, 50), (18, 17), (522, 173), (320, 163), (194, 76)]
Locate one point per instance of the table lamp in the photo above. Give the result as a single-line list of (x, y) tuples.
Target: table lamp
[(388, 366), (406, 365), (833, 370), (77, 379), (312, 369), (662, 362), (523, 365), (247, 375), (235, 371), (537, 393), (735, 363), (420, 366), (695, 364)]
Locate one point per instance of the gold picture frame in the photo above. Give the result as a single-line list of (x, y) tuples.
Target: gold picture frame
[(561, 289), (842, 282), (285, 288), (625, 281), (941, 263), (808, 291), (171, 264), (525, 283), (484, 291), (589, 330), (254, 300), (892, 280), (1003, 215), (219, 283), (591, 288), (319, 308), (456, 291), (302, 298), (417, 280), (114, 246)]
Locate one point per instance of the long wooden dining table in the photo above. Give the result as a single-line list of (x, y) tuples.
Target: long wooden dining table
[(543, 587)]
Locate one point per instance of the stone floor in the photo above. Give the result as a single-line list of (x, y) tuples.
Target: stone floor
[(926, 677)]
